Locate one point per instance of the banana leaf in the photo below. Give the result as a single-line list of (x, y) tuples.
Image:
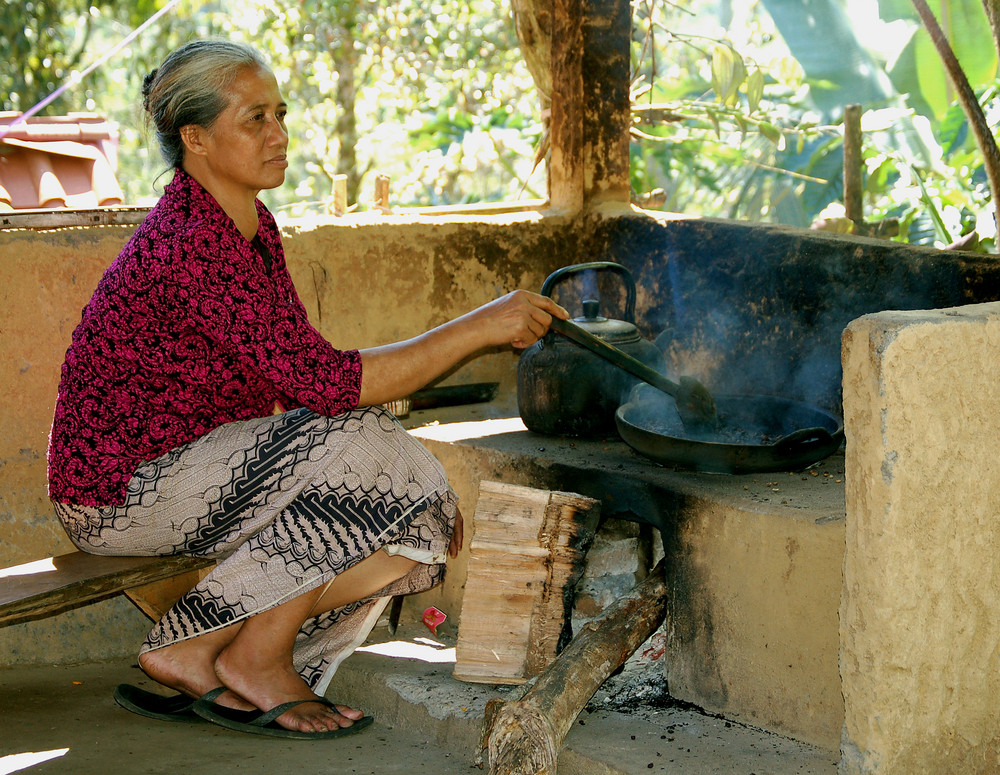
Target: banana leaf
[(839, 70), (918, 70)]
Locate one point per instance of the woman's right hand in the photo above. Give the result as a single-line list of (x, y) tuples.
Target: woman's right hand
[(519, 319)]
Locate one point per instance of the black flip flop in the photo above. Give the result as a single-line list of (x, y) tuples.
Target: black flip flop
[(262, 723), (177, 707)]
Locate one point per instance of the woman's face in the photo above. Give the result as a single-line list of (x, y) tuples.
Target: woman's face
[(246, 147)]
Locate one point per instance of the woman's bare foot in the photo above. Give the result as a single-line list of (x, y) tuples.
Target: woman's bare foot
[(267, 685), (189, 667), (256, 662)]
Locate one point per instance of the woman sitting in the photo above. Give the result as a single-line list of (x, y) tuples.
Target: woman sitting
[(166, 438)]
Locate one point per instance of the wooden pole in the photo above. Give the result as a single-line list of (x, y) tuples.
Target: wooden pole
[(853, 179), (339, 194), (382, 192), (523, 737)]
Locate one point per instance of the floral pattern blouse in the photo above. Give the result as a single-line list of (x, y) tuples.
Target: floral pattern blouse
[(188, 329)]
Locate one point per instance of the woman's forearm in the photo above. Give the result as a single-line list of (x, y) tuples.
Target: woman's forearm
[(392, 371), (395, 370)]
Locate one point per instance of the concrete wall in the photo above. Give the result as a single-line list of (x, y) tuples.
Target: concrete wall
[(920, 631), (363, 284), (785, 297)]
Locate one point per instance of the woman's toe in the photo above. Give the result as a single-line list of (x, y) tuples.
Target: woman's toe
[(349, 713)]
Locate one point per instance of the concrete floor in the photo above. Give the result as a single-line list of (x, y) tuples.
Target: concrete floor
[(425, 722)]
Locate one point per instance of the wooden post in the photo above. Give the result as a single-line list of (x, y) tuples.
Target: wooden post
[(607, 104), (525, 559), (523, 737), (382, 192), (853, 179), (339, 194), (155, 599)]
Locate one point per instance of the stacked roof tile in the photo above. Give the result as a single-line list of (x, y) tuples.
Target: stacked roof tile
[(58, 162)]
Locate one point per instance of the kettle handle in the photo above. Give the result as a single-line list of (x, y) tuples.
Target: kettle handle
[(624, 271)]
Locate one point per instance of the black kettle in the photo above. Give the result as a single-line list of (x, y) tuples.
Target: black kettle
[(565, 390)]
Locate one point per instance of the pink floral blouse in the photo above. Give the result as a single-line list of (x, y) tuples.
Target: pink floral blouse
[(187, 330)]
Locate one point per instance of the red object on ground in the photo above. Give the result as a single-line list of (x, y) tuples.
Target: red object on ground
[(433, 617)]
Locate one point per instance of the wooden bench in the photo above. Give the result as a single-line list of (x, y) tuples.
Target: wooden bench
[(56, 584)]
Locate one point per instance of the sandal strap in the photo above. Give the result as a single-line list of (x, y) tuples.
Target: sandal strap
[(266, 718), (214, 694)]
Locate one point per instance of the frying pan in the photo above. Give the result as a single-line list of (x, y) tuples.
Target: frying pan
[(755, 433)]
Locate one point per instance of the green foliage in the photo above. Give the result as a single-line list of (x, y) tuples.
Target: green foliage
[(433, 94), (737, 103), (821, 37), (917, 71), (770, 147)]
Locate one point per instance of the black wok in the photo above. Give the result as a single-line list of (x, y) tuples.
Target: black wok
[(755, 433)]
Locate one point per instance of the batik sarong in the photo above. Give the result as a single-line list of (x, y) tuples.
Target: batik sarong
[(285, 503)]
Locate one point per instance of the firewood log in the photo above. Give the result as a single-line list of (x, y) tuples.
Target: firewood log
[(523, 736)]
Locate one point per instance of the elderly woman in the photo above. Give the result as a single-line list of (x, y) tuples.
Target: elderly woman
[(166, 437)]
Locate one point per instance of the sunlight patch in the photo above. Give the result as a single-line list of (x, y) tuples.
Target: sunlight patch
[(423, 649), (21, 761), (29, 569), (457, 431)]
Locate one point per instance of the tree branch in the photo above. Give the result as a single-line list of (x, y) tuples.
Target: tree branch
[(992, 8), (966, 96)]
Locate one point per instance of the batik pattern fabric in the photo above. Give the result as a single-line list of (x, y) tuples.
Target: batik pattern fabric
[(285, 503)]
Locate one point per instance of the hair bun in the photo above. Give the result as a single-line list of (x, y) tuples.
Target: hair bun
[(147, 86)]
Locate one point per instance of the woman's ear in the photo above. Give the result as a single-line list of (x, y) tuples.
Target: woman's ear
[(192, 136)]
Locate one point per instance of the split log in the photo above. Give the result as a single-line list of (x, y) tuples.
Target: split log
[(525, 558), (524, 736)]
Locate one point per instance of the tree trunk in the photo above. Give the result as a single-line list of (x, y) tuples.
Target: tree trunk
[(966, 96), (346, 129), (533, 22)]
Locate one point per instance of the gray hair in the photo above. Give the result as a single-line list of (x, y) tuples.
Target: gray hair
[(192, 86)]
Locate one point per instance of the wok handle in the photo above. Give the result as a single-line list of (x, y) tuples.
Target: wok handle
[(611, 353), (803, 439)]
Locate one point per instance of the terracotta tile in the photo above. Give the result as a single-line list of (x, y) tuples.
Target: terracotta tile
[(58, 162)]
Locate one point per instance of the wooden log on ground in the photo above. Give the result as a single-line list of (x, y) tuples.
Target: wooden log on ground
[(524, 736), (525, 559)]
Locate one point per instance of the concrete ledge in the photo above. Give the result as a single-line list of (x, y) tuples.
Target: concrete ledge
[(756, 574)]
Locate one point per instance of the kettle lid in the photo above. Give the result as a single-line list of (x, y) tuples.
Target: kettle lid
[(609, 329)]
